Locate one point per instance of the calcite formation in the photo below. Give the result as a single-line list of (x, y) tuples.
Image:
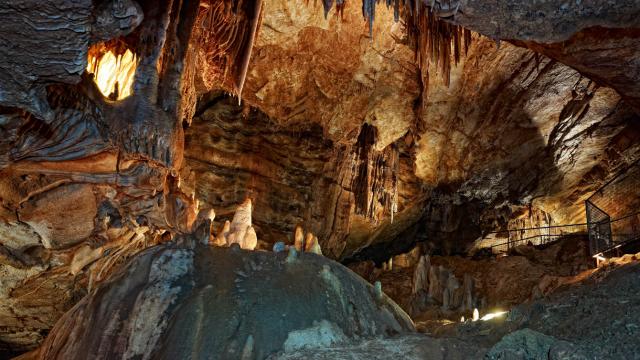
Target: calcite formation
[(166, 291), (240, 230)]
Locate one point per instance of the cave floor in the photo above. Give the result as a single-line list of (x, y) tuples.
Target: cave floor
[(597, 318)]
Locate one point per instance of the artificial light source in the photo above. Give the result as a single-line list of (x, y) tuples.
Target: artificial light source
[(493, 315), (599, 258), (113, 74)]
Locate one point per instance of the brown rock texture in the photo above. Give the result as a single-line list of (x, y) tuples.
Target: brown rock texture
[(293, 174), (328, 71), (334, 132), (448, 287), (597, 37), (539, 129)]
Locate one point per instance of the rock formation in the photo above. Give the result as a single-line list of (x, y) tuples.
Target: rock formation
[(166, 291), (240, 230), (126, 124)]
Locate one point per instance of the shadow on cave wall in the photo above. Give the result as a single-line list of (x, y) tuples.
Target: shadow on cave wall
[(456, 214)]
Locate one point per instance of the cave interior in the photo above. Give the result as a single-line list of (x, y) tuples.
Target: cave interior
[(295, 179)]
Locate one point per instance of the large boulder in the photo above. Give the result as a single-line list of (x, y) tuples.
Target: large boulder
[(176, 303)]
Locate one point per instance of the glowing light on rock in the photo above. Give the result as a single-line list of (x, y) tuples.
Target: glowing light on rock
[(476, 315), (493, 315), (462, 319), (114, 74)]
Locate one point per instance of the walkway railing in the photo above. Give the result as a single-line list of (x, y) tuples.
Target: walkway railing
[(618, 199), (605, 237), (535, 236)]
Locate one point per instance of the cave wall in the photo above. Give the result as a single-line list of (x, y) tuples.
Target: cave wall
[(328, 70), (518, 130), (294, 176), (596, 37), (86, 182)]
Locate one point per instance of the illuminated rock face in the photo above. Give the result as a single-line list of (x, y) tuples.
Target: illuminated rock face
[(114, 74), (177, 302)]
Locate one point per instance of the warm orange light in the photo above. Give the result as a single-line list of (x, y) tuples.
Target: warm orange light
[(111, 72)]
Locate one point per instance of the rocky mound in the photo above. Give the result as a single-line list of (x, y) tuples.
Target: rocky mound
[(176, 303)]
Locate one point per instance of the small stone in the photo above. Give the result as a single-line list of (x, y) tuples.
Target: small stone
[(279, 247)]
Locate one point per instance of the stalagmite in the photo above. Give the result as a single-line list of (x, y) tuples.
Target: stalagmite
[(236, 237), (242, 217), (202, 227), (435, 291), (206, 213), (221, 238), (305, 242), (241, 231), (308, 241), (421, 275), (311, 244), (449, 300), (315, 248), (298, 238), (250, 240), (467, 298)]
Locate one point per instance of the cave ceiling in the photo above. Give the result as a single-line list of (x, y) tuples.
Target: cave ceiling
[(321, 117)]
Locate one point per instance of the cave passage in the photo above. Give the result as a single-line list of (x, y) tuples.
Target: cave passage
[(292, 179)]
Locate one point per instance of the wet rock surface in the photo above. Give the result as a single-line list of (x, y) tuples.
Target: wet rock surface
[(412, 347)]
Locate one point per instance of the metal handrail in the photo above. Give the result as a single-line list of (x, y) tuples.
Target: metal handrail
[(535, 228), (550, 236), (535, 237)]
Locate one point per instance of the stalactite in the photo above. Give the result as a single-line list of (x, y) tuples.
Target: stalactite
[(436, 42), (113, 65), (375, 182), (340, 5), (230, 28)]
